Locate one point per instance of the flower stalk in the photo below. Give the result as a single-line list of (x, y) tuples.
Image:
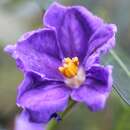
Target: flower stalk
[(53, 124)]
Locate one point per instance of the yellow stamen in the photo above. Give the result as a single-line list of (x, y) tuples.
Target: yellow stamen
[(75, 60), (70, 67)]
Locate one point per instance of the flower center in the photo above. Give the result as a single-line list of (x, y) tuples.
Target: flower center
[(70, 67), (74, 76)]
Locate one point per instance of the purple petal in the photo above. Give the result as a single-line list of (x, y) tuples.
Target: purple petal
[(99, 77), (97, 88), (74, 26), (22, 123), (44, 101), (31, 81), (37, 51), (91, 60), (54, 15), (103, 39)]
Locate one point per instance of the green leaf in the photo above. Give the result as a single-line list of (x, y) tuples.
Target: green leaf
[(121, 75)]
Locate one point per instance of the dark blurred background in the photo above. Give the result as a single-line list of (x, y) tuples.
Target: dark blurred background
[(20, 16)]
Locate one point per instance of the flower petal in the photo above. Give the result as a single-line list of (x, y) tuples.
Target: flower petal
[(22, 123), (96, 89), (74, 26), (91, 60), (103, 39), (37, 51), (54, 15), (31, 81), (44, 101)]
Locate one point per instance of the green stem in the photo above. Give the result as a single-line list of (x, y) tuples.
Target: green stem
[(71, 105), (53, 123)]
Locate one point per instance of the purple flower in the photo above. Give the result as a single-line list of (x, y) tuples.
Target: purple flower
[(22, 123), (62, 61)]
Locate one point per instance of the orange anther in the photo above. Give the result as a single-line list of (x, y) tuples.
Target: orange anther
[(70, 67), (75, 60)]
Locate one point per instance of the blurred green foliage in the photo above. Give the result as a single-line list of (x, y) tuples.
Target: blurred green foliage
[(19, 16)]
